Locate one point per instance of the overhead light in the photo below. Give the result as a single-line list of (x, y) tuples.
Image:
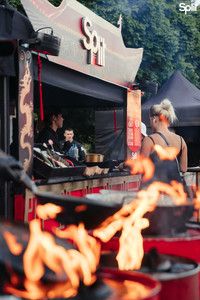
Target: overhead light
[(45, 43)]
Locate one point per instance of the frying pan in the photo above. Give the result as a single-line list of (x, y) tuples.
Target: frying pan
[(91, 212)]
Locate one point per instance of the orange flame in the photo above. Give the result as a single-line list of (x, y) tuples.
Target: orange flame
[(142, 165), (14, 247), (42, 251), (48, 210), (86, 244), (130, 221), (80, 208), (167, 153)]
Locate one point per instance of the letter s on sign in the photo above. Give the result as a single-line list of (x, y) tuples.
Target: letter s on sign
[(182, 6), (87, 42)]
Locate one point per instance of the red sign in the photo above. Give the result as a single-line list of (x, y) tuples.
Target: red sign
[(133, 125)]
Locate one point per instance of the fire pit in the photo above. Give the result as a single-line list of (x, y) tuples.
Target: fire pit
[(17, 240), (178, 275), (115, 285)]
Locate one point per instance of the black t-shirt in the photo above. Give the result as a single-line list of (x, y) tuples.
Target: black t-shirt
[(49, 134)]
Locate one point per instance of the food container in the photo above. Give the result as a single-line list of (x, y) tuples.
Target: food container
[(94, 157)]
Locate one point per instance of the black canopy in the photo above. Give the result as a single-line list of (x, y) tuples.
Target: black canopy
[(13, 26), (184, 96), (70, 88)]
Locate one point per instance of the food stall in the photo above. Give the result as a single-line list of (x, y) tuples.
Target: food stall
[(93, 69)]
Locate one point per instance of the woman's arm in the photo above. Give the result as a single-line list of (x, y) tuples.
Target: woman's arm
[(184, 158), (147, 146)]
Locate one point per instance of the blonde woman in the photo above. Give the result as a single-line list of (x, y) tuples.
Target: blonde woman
[(161, 117)]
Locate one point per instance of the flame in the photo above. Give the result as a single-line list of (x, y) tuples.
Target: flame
[(14, 247), (77, 264), (48, 210), (80, 208), (38, 290), (130, 221), (131, 253), (142, 165), (128, 289), (43, 250), (167, 153), (86, 244)]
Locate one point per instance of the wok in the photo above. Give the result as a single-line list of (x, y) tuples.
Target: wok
[(92, 212), (75, 209)]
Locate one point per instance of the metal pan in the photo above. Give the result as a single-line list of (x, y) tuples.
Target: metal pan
[(91, 212), (75, 210)]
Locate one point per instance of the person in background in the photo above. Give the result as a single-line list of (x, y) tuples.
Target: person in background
[(71, 147), (53, 121), (161, 117)]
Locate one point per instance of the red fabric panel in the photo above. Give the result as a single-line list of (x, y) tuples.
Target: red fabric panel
[(19, 207)]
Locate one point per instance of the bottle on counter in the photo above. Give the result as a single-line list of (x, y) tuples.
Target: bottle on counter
[(73, 152), (76, 156)]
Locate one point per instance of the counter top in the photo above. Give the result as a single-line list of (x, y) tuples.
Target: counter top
[(80, 178)]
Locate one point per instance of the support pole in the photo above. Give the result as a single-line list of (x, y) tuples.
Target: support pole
[(5, 201)]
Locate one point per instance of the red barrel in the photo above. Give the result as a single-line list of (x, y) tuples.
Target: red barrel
[(120, 290), (183, 286), (186, 245)]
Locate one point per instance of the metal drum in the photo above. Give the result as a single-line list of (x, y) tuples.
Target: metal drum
[(182, 285)]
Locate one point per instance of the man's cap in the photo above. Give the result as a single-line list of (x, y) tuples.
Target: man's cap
[(143, 129)]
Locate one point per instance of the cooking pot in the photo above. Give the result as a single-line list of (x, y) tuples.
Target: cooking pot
[(94, 157)]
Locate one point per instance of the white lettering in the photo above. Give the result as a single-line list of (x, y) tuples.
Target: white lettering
[(93, 43), (186, 7), (87, 42)]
